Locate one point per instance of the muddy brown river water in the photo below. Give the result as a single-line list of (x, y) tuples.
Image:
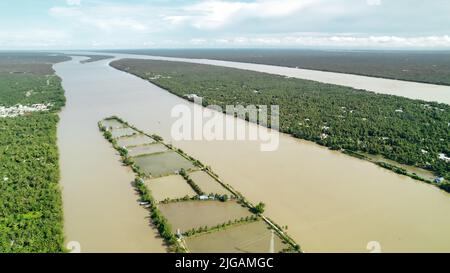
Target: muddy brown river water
[(329, 201)]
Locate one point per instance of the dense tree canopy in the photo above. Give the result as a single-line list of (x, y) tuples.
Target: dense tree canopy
[(30, 199)]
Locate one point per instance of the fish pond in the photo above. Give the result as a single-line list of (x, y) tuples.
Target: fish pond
[(123, 132), (112, 124), (169, 187), (147, 149), (196, 214), (136, 140), (254, 237), (208, 184), (162, 164)]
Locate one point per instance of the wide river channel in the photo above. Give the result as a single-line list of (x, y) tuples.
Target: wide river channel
[(329, 201)]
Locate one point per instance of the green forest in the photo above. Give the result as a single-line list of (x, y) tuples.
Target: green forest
[(30, 197), (411, 132)]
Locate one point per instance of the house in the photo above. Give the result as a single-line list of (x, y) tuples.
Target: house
[(19, 110), (192, 96), (444, 157), (439, 180), (204, 197), (179, 234)]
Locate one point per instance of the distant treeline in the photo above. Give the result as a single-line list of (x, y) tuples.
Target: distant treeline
[(411, 132), (94, 58)]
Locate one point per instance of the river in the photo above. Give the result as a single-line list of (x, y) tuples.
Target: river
[(329, 201), (101, 212)]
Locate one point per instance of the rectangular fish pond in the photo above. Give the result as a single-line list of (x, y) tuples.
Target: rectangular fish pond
[(196, 214), (169, 187), (123, 132), (147, 149), (112, 124), (253, 237), (136, 140), (162, 164), (208, 184)]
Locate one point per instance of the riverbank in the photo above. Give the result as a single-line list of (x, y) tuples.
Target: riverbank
[(415, 173)]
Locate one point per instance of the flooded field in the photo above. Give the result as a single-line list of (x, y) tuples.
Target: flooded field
[(134, 140), (330, 201), (208, 184), (249, 238), (169, 187), (112, 124), (162, 164), (196, 214), (123, 132), (147, 149)]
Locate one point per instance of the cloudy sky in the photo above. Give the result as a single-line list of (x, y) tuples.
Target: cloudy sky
[(78, 24)]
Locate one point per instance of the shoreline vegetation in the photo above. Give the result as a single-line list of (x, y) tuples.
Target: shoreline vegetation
[(176, 242), (31, 215), (394, 168), (410, 132), (422, 67)]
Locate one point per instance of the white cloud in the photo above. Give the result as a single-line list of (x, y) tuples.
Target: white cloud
[(198, 41), (344, 40), (34, 38), (213, 14), (48, 38), (73, 2), (105, 18), (373, 2)]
